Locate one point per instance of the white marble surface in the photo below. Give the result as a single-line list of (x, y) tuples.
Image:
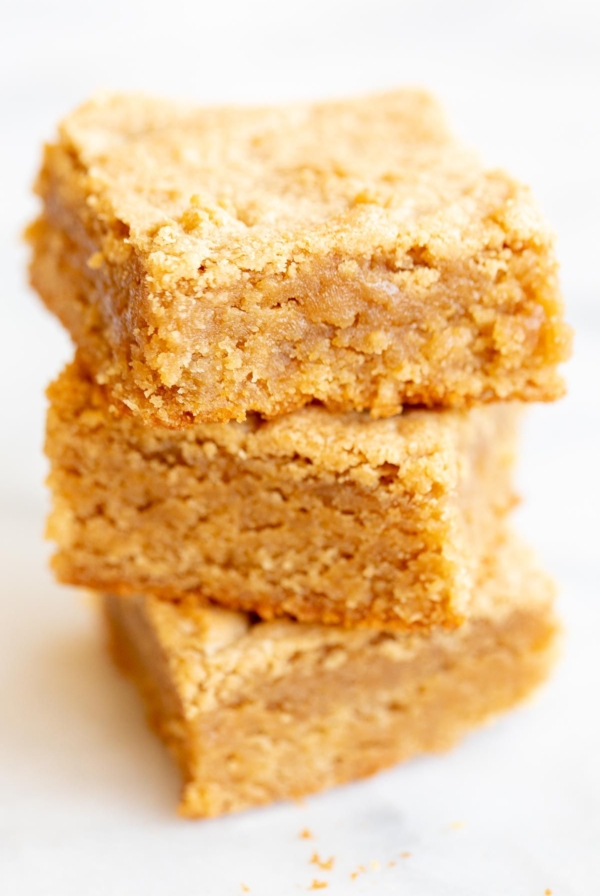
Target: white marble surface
[(86, 794)]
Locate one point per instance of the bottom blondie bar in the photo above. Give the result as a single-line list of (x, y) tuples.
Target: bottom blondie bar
[(259, 711)]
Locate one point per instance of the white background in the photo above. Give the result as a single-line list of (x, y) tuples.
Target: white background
[(86, 794)]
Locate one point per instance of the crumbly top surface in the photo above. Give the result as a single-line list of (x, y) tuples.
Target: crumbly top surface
[(417, 447), (213, 652), (219, 194)]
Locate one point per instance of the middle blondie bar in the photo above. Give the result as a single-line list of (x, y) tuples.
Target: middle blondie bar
[(335, 518)]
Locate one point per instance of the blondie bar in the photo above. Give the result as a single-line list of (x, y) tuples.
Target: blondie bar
[(334, 518), (218, 261), (260, 711)]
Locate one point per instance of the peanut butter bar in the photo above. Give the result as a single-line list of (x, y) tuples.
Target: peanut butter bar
[(214, 262), (333, 518), (261, 711)]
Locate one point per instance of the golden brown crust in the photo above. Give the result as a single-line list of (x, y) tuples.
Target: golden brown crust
[(334, 518), (256, 712), (214, 262)]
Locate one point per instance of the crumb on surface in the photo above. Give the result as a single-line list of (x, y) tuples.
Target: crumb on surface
[(318, 885), (457, 825), (323, 864), (360, 870), (306, 834), (391, 864), (245, 889), (405, 855)]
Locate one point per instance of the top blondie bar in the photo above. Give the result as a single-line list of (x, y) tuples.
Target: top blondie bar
[(211, 262)]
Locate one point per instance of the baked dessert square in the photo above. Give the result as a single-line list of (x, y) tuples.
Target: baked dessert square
[(327, 517), (261, 711), (213, 262)]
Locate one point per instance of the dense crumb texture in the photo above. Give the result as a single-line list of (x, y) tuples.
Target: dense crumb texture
[(256, 712), (334, 518), (215, 262)]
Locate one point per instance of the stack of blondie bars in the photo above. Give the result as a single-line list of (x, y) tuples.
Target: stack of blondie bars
[(283, 452)]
